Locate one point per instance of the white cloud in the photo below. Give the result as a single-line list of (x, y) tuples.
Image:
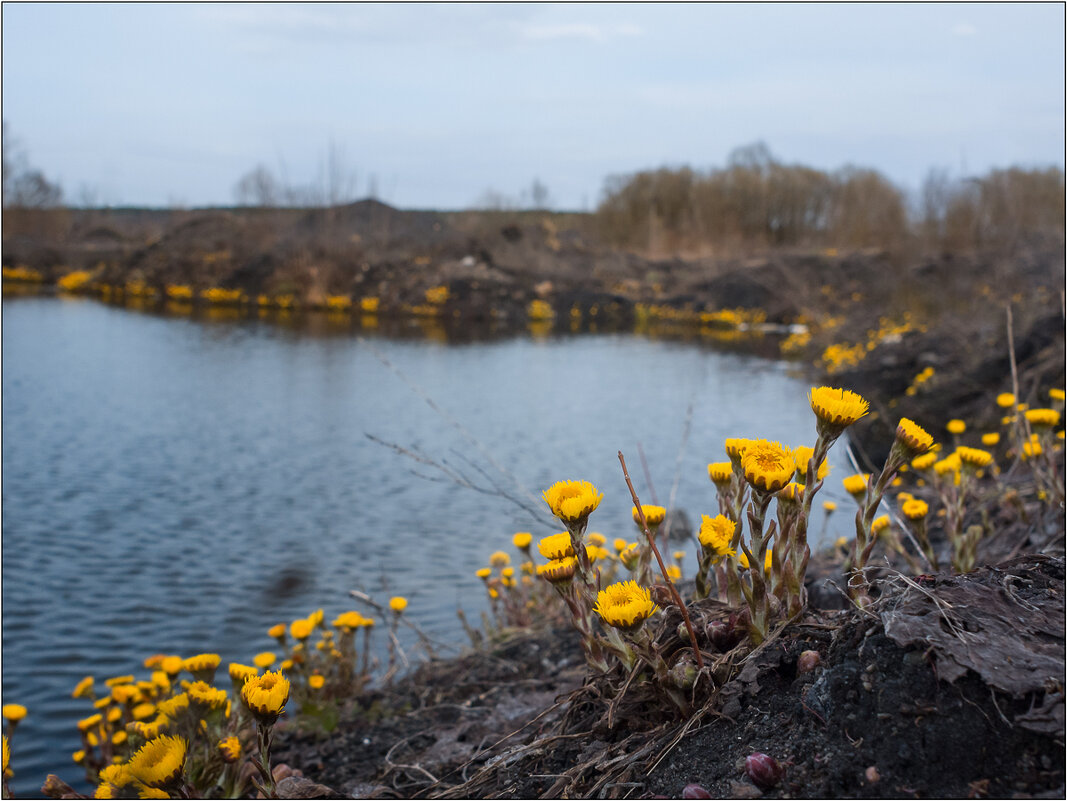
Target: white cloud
[(963, 29)]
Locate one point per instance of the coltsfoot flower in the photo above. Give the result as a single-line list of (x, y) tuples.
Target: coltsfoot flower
[(735, 448), (499, 559), (768, 466), (556, 546), (204, 697), (264, 660), (266, 696), (631, 556), (171, 665), (230, 750), (715, 535), (398, 603), (913, 438), (793, 492), (91, 722), (558, 571), (300, 629), (84, 688), (14, 712), (624, 605), (829, 506), (956, 426), (159, 762), (990, 439), (201, 663), (1005, 400), (836, 409), (974, 457), (856, 485), (721, 474), (801, 456), (950, 464), (316, 681), (924, 462), (620, 544), (572, 501), (742, 560), (1043, 418), (653, 514), (277, 631), (483, 573), (879, 524), (522, 540), (915, 509), (595, 538)]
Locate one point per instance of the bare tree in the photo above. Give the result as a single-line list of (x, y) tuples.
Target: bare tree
[(25, 186), (258, 187)]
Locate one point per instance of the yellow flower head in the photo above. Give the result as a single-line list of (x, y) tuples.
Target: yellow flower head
[(1005, 400), (113, 714), (879, 524), (483, 572), (624, 605), (597, 552), (653, 514), (398, 603), (721, 473), (1031, 449), (630, 556), (572, 501), (856, 485), (239, 673), (205, 697), (915, 509), (85, 724), (791, 493), (620, 544), (316, 681), (348, 620), (266, 696), (118, 776), (715, 535), (300, 629), (924, 462), (201, 663), (742, 560), (950, 464), (263, 660), (125, 693), (556, 546), (915, 440), (159, 762), (974, 457), (1056, 394), (768, 466), (277, 631), (522, 540), (674, 573), (230, 750), (595, 538), (956, 426), (829, 506), (801, 456), (558, 571), (174, 706), (84, 688), (836, 409), (499, 559), (117, 681), (990, 439), (1043, 418), (142, 711), (735, 448), (171, 665), (14, 712)]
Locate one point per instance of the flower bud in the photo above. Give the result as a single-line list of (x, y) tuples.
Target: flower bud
[(695, 791), (808, 661), (683, 632), (54, 787), (684, 676), (764, 770), (723, 635)]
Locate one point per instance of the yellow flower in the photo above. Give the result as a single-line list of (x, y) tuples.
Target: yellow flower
[(801, 456), (620, 544), (239, 673), (230, 750), (829, 506), (721, 473), (266, 696), (742, 560), (624, 605), (348, 620), (113, 714), (715, 535), (572, 501), (277, 631), (301, 629), (950, 464), (100, 703), (287, 664), (144, 791), (14, 712), (791, 493), (674, 573), (913, 437), (522, 540), (315, 682), (837, 409), (202, 663), (142, 711), (1005, 400), (924, 462), (119, 680), (630, 556), (879, 524), (118, 738), (174, 706), (483, 573), (499, 559), (598, 552), (263, 660), (653, 514), (595, 538), (768, 466), (1031, 449), (84, 688), (1043, 418), (171, 665), (915, 509), (149, 731), (856, 485), (735, 447), (991, 439), (556, 546), (159, 762), (125, 693), (205, 697), (90, 722), (558, 571), (974, 457), (78, 756), (956, 426), (398, 604)]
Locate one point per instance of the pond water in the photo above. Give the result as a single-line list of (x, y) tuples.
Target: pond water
[(179, 486)]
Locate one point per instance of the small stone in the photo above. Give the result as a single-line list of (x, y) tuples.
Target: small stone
[(808, 661), (744, 790), (871, 774), (299, 787)]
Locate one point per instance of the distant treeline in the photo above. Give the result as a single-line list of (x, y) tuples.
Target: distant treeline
[(757, 201)]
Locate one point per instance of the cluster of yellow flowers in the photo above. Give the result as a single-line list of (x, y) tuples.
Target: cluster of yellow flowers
[(139, 289), (437, 295), (841, 356), (25, 275), (542, 310), (920, 380), (75, 281), (222, 296)]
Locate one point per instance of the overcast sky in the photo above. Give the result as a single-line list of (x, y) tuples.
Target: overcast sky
[(158, 104)]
